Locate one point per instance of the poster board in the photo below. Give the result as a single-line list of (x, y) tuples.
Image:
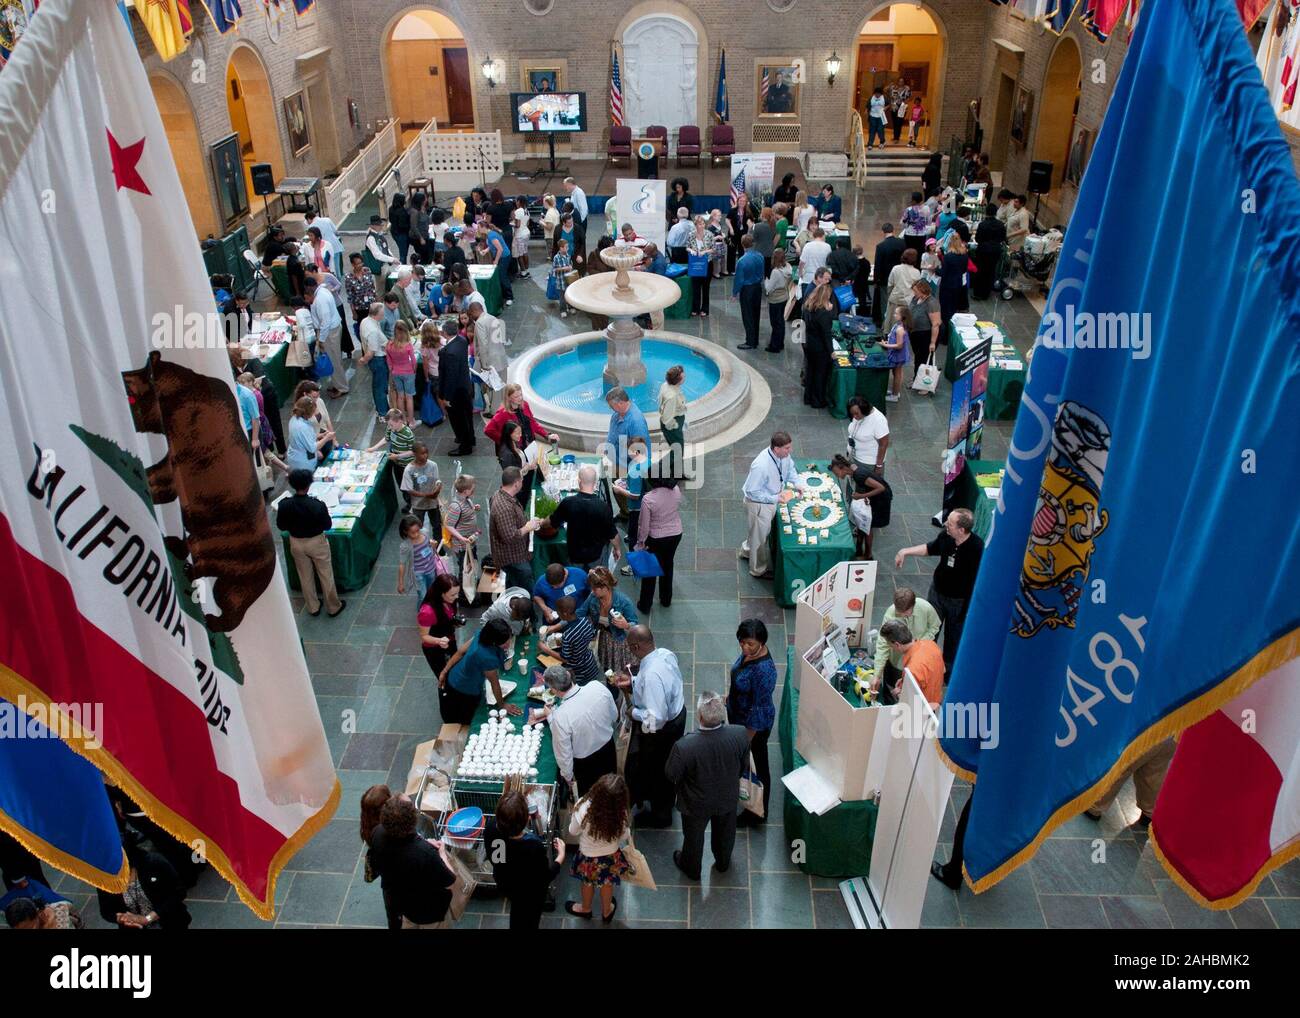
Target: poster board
[(843, 596), (753, 171), (913, 798), (642, 203), (965, 435)]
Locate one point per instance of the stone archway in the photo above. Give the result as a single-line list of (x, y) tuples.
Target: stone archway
[(187, 152), (661, 55), (936, 56), (416, 42), (253, 115), (1059, 108)]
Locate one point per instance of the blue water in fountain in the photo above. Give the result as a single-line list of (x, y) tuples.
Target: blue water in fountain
[(573, 379)]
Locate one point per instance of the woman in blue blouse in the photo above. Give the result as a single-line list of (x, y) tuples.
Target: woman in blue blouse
[(613, 615), (749, 703), (460, 686), (304, 443)]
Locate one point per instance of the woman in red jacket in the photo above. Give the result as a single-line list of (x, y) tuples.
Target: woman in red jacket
[(515, 409)]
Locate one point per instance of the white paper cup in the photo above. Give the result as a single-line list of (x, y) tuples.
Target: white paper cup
[(523, 665)]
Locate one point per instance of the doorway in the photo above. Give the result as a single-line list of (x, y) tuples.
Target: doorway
[(997, 149), (428, 72), (906, 40), (187, 153), (252, 112), (460, 101), (1059, 109), (875, 61)]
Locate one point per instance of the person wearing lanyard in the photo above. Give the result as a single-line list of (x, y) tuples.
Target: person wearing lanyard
[(868, 435), (765, 489)]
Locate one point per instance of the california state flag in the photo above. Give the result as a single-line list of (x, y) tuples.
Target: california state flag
[(138, 562), (1228, 812)]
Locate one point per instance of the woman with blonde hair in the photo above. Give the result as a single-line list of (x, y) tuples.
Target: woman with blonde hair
[(803, 213), (550, 219), (819, 320), (601, 822)]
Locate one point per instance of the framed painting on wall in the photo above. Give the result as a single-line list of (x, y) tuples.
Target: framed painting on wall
[(777, 84), (1022, 116), (228, 173), (1077, 161), (542, 75), (295, 118)]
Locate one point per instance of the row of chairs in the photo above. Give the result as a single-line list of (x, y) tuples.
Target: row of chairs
[(722, 142)]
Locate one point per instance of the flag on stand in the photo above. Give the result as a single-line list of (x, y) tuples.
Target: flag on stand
[(225, 14), (133, 535), (162, 20), (737, 186), (762, 91), (1229, 809), (721, 108), (615, 93), (1110, 535)]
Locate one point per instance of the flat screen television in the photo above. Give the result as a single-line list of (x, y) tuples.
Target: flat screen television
[(549, 112)]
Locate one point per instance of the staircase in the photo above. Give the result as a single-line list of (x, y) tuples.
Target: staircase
[(896, 165)]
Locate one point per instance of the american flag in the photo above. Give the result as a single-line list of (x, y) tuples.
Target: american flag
[(615, 95), (762, 92), (737, 186)]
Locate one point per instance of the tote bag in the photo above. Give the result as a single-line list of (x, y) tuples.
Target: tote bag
[(430, 411), (324, 366), (298, 355), (639, 874), (846, 297), (751, 789), (927, 376), (554, 289), (697, 265)]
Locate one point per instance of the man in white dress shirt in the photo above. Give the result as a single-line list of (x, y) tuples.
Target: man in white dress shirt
[(583, 722), (579, 199), (659, 713), (765, 489), (329, 329), (813, 256)]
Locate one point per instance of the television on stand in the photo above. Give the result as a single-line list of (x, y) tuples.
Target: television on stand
[(549, 113)]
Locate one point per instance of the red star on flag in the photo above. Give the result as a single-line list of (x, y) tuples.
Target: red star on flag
[(124, 164)]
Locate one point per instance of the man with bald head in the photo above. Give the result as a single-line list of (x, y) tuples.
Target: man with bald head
[(659, 714), (590, 523)]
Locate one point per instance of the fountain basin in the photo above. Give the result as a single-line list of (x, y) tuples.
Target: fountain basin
[(563, 384)]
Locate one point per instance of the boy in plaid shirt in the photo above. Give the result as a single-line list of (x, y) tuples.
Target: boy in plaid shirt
[(560, 265)]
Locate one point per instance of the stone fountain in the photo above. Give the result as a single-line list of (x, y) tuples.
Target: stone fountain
[(565, 380)]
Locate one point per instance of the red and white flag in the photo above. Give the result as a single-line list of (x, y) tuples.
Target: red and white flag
[(138, 559), (1228, 812), (615, 93)]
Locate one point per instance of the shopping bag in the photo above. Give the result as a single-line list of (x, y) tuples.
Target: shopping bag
[(622, 743), (845, 295), (298, 355), (927, 376), (553, 288), (463, 888), (644, 564), (470, 570), (751, 789), (697, 265), (638, 874), (265, 479), (430, 411), (324, 366), (797, 332)]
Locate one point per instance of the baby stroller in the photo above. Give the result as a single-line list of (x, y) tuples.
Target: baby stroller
[(1032, 267)]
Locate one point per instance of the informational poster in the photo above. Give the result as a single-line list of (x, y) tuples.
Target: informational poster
[(752, 172), (641, 203), (966, 415)]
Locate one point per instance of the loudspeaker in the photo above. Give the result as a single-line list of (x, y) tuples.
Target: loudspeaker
[(263, 181), (1040, 177)]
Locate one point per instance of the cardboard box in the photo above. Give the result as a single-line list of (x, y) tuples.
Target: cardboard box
[(449, 744), (492, 582)]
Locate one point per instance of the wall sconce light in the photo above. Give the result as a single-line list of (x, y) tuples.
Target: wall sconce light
[(832, 67), (490, 71)]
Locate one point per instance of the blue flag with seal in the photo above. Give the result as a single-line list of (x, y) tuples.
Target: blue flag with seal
[(1141, 567), (52, 800), (721, 108)]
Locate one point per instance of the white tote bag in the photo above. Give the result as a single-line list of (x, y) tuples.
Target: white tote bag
[(927, 376)]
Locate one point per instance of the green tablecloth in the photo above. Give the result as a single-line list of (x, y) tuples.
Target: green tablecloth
[(795, 565), (355, 552), (682, 309), (556, 549), (873, 383), (490, 288), (546, 768), (1005, 389), (281, 375), (836, 844), (971, 496)]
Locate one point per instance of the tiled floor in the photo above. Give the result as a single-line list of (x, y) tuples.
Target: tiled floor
[(364, 661)]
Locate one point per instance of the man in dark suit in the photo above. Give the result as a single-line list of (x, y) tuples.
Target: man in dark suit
[(705, 767), (456, 388), (990, 235), (889, 252)]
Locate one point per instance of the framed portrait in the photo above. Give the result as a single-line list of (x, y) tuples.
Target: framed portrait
[(777, 84), (1022, 116), (1077, 161), (295, 118), (228, 173), (543, 75)]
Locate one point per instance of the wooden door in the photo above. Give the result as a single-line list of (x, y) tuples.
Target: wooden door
[(874, 62), (1002, 123), (460, 103)]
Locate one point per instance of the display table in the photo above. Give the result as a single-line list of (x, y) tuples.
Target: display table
[(556, 549), (971, 495), (871, 383), (796, 565), (836, 844), (682, 309), (355, 551), (488, 283), (280, 374), (1005, 385)]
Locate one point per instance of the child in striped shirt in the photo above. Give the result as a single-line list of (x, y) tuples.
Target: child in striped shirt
[(560, 266), (399, 440), (417, 559)]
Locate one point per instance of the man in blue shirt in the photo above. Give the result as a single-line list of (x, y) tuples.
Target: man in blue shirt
[(559, 581), (496, 243), (748, 288), (659, 710), (626, 422), (764, 491)]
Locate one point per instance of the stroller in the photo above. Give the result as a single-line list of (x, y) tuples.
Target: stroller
[(1032, 267)]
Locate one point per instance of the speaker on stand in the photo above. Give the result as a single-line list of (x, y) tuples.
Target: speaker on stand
[(1040, 182), (263, 184)]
